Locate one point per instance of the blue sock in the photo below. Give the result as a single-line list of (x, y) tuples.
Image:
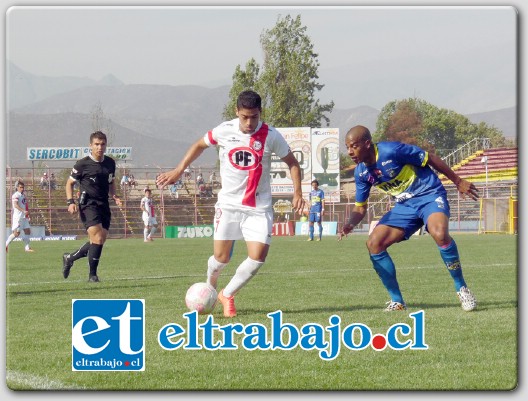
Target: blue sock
[(311, 232), (320, 231), (386, 270), (451, 259)]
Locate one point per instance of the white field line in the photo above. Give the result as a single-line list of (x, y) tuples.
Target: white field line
[(267, 272), (33, 382)]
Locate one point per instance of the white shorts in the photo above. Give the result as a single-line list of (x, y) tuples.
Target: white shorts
[(150, 221), (20, 223), (248, 225)]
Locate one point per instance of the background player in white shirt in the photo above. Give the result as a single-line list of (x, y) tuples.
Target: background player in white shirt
[(20, 217), (244, 208), (148, 216)]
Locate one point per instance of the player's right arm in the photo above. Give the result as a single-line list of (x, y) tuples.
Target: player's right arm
[(358, 213), (170, 177), (72, 207)]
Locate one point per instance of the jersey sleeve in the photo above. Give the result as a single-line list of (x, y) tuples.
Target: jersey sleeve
[(77, 170), (14, 199), (279, 145), (211, 136), (362, 189)]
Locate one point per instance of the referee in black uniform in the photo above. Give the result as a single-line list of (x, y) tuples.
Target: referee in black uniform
[(95, 174)]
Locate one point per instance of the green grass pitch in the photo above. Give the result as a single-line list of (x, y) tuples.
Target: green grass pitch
[(308, 281)]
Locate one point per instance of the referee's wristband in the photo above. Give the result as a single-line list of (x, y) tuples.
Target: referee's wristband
[(71, 202)]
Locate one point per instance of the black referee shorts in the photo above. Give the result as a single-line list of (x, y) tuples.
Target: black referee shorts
[(94, 213)]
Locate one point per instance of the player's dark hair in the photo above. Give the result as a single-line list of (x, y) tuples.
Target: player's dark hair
[(98, 135), (249, 100), (148, 190), (21, 183), (317, 182)]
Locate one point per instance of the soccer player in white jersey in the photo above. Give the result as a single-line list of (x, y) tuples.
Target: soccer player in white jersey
[(20, 218), (149, 216), (244, 208)]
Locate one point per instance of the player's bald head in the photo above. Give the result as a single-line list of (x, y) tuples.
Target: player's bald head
[(358, 133)]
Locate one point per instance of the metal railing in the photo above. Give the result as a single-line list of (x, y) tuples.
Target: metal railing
[(466, 150)]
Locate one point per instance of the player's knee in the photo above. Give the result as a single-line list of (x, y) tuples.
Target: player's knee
[(440, 234), (374, 245)]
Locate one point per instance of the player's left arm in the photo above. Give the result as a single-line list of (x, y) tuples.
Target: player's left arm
[(113, 194), (295, 173), (464, 187)]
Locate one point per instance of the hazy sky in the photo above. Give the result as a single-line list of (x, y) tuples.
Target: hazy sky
[(185, 45)]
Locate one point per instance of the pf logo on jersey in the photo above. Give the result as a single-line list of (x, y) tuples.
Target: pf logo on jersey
[(244, 158)]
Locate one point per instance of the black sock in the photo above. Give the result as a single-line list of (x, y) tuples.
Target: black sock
[(93, 257), (82, 252)]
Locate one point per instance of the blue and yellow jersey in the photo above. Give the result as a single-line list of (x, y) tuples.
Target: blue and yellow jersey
[(316, 200), (400, 170)]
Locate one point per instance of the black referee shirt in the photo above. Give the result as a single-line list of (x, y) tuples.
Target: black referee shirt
[(94, 177)]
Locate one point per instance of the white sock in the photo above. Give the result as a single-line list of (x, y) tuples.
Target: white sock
[(214, 268), (245, 272), (10, 238), (145, 233), (25, 238)]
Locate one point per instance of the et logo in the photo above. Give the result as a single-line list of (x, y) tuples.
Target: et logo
[(244, 158), (108, 334)]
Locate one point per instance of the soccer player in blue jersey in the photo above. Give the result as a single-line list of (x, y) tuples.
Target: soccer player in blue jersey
[(316, 201), (403, 171)]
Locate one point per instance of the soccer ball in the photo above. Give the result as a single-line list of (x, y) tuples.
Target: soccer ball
[(201, 297)]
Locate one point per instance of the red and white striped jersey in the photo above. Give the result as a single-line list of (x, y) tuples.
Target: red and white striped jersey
[(245, 163)]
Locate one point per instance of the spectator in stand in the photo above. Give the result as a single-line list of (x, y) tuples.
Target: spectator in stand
[(44, 181), (200, 179), (124, 181), (174, 190), (53, 181), (212, 179), (187, 174), (132, 181)]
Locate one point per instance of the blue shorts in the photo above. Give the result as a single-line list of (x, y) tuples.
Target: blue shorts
[(412, 214), (315, 217)]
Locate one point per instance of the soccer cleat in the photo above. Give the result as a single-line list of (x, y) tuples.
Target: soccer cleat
[(29, 250), (66, 265), (318, 239), (467, 299), (392, 306), (309, 239), (228, 304), (93, 279)]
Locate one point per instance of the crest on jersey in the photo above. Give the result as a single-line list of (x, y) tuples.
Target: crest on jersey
[(257, 145), (218, 213), (244, 158)]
